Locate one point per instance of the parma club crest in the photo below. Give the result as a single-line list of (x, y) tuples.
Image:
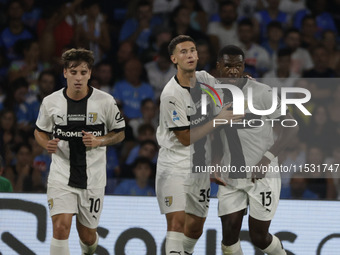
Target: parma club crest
[(50, 203), (168, 201), (92, 117)]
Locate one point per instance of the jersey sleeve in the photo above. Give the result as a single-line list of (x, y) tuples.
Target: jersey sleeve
[(45, 120), (115, 120), (174, 114)]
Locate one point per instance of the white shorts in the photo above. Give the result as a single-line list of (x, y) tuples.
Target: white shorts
[(261, 196), (183, 192), (87, 204)]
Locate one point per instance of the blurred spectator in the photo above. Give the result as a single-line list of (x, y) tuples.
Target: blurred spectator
[(264, 17), (297, 188), (30, 66), (4, 63), (132, 90), (319, 9), (138, 29), (5, 184), (31, 15), (139, 186), (333, 164), (293, 155), (55, 31), (321, 64), (160, 71), (23, 176), (104, 73), (198, 17), (146, 132), (319, 182), (164, 6), (15, 30), (291, 6), (255, 55), (302, 119), (7, 131), (160, 35), (206, 61), (224, 32), (301, 60), (93, 31), (149, 116), (180, 23), (126, 51), (274, 41), (333, 105), (329, 41), (320, 131), (16, 101), (46, 85), (282, 75), (309, 32)]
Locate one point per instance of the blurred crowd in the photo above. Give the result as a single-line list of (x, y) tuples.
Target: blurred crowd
[(287, 43)]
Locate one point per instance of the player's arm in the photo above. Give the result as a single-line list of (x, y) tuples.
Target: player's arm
[(44, 141), (285, 135), (189, 136), (110, 138)]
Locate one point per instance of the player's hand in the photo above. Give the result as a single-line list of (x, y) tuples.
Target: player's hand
[(216, 178), (52, 145), (90, 140), (259, 174), (227, 114)]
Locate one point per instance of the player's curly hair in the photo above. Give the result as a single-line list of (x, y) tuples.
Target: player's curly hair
[(73, 58)]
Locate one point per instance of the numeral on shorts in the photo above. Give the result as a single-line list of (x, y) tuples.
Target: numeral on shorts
[(205, 194), (95, 205), (266, 198)]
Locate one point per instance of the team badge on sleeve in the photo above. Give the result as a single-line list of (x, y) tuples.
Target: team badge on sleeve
[(50, 203), (168, 201)]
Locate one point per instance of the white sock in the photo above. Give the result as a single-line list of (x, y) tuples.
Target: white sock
[(275, 248), (174, 243), (234, 249), (189, 244), (59, 247), (89, 250)]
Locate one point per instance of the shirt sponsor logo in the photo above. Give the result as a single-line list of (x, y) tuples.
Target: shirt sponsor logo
[(61, 133)]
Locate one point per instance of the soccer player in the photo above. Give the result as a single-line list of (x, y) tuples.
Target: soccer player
[(76, 124), (184, 197), (250, 145)]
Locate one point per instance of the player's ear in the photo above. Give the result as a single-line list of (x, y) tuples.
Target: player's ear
[(173, 59), (65, 73)]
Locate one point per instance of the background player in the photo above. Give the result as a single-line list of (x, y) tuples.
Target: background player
[(183, 197), (83, 120), (250, 146)]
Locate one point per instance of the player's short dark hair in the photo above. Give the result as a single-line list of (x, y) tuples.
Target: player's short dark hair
[(230, 50), (284, 52), (177, 40), (274, 24), (226, 2), (75, 56), (142, 160)]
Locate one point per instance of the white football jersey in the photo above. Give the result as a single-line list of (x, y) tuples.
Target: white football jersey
[(74, 164), (180, 109), (246, 142)]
